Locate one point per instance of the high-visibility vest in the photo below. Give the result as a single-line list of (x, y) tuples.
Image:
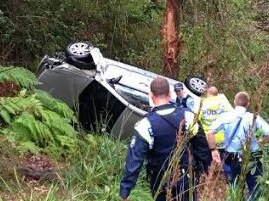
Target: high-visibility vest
[(211, 109)]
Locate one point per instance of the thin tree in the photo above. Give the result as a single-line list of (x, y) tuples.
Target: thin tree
[(171, 39)]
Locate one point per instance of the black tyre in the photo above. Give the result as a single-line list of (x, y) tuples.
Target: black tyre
[(196, 84), (79, 55)]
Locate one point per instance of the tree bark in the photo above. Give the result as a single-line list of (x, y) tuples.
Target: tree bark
[(171, 39)]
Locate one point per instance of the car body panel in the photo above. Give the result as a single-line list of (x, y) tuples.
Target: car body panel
[(124, 126), (64, 83), (115, 94)]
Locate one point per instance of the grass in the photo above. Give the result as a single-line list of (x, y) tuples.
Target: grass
[(93, 172)]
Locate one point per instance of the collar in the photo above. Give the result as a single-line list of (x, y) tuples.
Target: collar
[(185, 95), (163, 107), (240, 111)]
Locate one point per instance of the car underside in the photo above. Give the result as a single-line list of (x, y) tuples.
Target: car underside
[(107, 95)]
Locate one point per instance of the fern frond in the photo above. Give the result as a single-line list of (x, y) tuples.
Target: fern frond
[(16, 105), (66, 142), (5, 116), (18, 131), (21, 76), (55, 121), (55, 105), (28, 146), (26, 122), (35, 121)]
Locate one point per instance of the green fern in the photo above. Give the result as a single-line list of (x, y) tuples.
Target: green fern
[(36, 120), (33, 120), (12, 106), (28, 146), (55, 105), (56, 122), (19, 75)]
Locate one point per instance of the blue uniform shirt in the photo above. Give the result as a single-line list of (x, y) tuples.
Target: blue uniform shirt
[(143, 142), (243, 120), (186, 102)]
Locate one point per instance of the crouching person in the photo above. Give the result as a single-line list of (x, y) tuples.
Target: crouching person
[(155, 141)]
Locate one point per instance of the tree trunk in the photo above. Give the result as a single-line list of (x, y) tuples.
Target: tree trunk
[(171, 38)]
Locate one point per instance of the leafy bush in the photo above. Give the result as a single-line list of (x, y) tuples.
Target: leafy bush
[(18, 75), (33, 120), (35, 127)]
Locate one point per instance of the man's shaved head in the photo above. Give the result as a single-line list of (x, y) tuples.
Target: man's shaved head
[(212, 91), (160, 87)]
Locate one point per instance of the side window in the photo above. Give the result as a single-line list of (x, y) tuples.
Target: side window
[(137, 98)]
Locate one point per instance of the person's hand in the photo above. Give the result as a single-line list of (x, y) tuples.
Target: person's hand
[(263, 141), (216, 156), (126, 199)]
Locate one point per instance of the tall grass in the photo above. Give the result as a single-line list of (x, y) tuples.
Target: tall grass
[(97, 167), (92, 173)]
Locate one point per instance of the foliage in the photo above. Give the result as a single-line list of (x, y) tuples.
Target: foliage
[(93, 173), (33, 125), (264, 180), (19, 75), (43, 26), (96, 168), (33, 120), (218, 36)]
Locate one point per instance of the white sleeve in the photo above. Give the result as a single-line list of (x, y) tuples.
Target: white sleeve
[(190, 103), (262, 125), (144, 129), (191, 126)]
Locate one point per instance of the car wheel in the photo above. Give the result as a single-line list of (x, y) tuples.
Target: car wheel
[(79, 55), (196, 85)]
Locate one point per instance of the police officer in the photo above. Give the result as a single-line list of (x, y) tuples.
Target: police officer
[(183, 99), (155, 140), (237, 125), (211, 109)]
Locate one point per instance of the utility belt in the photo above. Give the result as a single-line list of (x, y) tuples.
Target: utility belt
[(237, 157)]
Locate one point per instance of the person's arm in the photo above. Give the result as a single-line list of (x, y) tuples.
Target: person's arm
[(214, 128), (264, 127), (212, 146), (190, 103), (136, 154), (194, 127)]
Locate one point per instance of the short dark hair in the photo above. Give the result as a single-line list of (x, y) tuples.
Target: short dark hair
[(160, 87)]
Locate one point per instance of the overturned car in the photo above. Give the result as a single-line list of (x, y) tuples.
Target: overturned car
[(108, 96)]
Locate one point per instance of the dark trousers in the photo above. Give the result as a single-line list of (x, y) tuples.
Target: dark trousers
[(180, 191), (234, 162), (226, 167)]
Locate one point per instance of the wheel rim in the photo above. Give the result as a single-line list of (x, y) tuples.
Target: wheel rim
[(79, 49), (198, 84)]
